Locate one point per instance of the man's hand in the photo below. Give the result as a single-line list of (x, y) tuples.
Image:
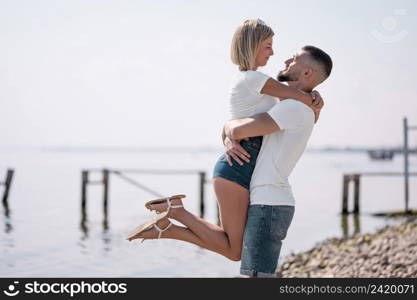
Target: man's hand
[(235, 150), (318, 102), (317, 105)]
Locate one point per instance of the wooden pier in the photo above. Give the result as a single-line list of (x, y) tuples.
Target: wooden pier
[(406, 129), (356, 177), (356, 180), (122, 173)]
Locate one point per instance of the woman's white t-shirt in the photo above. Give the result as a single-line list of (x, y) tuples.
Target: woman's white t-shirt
[(246, 99)]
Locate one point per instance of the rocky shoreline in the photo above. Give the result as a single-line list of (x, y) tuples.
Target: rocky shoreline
[(390, 252)]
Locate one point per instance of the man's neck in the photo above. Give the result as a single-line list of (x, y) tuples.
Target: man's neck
[(300, 85)]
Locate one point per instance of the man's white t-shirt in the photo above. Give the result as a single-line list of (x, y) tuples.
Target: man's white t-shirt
[(246, 99), (280, 152)]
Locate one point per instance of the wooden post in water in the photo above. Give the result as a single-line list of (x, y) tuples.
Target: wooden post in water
[(356, 224), (105, 193), (357, 183), (84, 182), (7, 184), (345, 225), (345, 197), (406, 171), (202, 184)]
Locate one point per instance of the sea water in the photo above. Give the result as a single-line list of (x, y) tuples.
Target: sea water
[(42, 236)]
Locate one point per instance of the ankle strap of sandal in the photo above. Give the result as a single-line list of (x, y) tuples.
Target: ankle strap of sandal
[(172, 206)]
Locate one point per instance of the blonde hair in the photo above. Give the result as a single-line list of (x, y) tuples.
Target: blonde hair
[(246, 41)]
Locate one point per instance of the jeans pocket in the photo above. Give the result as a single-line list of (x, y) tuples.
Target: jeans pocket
[(281, 219), (256, 211), (252, 145)]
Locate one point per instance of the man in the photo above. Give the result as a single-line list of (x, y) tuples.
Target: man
[(286, 129)]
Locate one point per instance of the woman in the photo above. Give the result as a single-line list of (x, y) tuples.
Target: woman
[(252, 93)]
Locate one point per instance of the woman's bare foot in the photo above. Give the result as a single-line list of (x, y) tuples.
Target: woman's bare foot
[(152, 232), (162, 207)]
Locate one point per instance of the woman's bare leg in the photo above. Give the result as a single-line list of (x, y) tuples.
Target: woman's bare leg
[(177, 233), (226, 240)]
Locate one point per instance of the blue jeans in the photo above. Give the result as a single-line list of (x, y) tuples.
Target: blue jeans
[(266, 227)]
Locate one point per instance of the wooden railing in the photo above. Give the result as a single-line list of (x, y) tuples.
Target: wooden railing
[(85, 174), (356, 179)]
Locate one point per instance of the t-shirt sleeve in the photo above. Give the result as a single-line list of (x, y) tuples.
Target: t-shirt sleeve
[(255, 81), (288, 114)]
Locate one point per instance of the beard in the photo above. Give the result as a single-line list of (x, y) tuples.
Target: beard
[(286, 77)]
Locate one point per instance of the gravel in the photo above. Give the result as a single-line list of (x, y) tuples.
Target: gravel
[(390, 252)]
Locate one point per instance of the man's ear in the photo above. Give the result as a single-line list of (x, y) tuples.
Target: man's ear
[(308, 72)]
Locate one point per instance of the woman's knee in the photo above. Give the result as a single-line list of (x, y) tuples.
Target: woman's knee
[(235, 254)]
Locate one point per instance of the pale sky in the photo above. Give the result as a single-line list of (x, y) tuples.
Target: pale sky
[(157, 73)]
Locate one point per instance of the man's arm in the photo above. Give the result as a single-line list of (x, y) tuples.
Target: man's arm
[(316, 116), (257, 125)]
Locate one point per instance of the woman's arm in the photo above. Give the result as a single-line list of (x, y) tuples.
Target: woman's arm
[(283, 91)]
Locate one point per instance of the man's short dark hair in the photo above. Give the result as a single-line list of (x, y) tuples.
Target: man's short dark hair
[(320, 57)]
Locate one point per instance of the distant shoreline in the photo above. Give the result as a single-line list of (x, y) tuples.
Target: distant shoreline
[(202, 149), (390, 252)]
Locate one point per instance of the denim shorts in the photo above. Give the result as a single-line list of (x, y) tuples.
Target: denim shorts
[(266, 227), (237, 173)]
